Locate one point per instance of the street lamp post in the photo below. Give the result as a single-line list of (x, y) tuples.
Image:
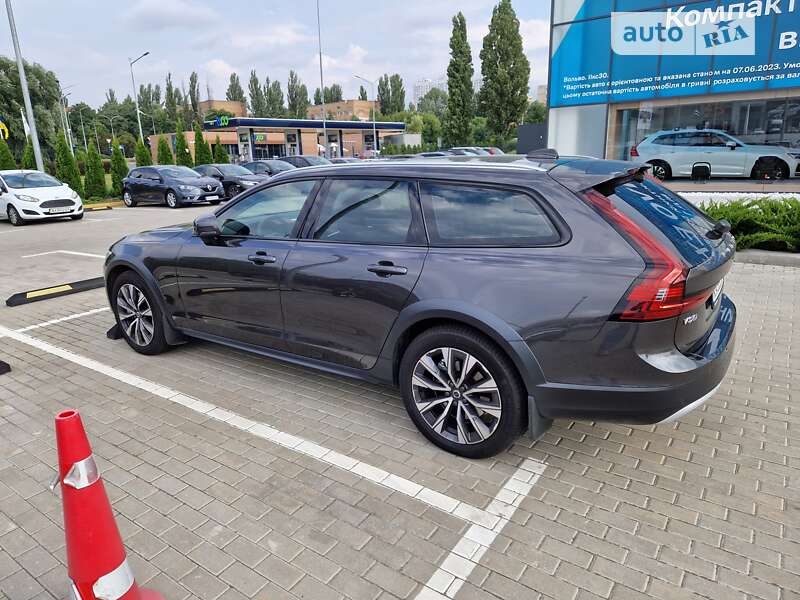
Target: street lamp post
[(322, 84), (135, 93), (374, 115), (23, 82), (152, 119), (111, 121), (83, 130), (67, 128)]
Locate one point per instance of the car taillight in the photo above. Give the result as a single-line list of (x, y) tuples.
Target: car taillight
[(634, 152), (659, 292)]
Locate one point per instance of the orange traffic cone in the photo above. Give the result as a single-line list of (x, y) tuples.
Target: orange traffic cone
[(96, 561)]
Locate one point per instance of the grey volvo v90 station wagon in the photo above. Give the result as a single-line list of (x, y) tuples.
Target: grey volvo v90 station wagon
[(497, 292)]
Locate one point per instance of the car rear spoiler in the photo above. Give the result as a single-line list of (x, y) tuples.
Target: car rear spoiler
[(583, 174)]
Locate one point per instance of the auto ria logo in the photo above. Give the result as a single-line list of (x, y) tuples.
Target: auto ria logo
[(661, 33)]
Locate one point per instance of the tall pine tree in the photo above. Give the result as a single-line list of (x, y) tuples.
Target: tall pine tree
[(119, 169), (235, 91), (362, 93), (506, 73), (273, 99), (143, 157), (220, 154), (317, 97), (164, 152), (66, 167), (257, 100), (202, 153), (182, 154), (95, 175), (460, 93), (296, 96), (28, 156), (6, 158), (397, 93), (384, 95)]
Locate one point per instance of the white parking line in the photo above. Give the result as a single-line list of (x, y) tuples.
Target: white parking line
[(89, 254), (94, 311), (462, 560), (495, 515)]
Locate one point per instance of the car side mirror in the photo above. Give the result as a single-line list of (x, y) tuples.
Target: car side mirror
[(218, 176), (206, 227), (732, 145)]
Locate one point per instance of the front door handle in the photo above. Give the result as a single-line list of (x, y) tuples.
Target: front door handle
[(262, 258), (386, 268)]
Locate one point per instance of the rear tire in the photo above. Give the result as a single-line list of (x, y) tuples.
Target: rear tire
[(138, 314), (127, 199), (661, 170), (770, 168), (435, 387), (14, 217), (172, 199)]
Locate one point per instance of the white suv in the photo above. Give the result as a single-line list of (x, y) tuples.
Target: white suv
[(676, 153), (33, 195)]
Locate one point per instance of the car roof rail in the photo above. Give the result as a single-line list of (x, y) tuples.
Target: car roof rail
[(543, 154)]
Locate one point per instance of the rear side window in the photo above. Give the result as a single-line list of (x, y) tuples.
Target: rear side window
[(665, 140), (469, 215), (368, 211), (679, 221)]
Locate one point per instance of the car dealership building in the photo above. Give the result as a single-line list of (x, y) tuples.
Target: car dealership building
[(720, 64)]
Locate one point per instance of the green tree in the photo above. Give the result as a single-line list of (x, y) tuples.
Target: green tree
[(220, 154), (460, 93), (362, 93), (506, 72), (202, 152), (414, 124), (28, 157), (257, 100), (397, 93), (194, 96), (119, 168), (273, 99), (6, 158), (384, 95), (536, 113), (164, 152), (170, 99), (95, 175), (334, 93), (235, 91), (479, 131), (182, 154), (317, 97), (431, 129), (296, 96), (435, 102), (143, 156), (66, 167)]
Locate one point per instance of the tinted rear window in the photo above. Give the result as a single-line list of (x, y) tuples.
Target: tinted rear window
[(683, 224)]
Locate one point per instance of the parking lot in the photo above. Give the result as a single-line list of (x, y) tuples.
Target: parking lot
[(234, 476)]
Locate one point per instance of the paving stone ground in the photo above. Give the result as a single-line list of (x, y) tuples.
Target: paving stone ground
[(703, 508)]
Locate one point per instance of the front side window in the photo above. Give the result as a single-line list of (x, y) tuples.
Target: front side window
[(467, 215), (368, 212), (268, 213)]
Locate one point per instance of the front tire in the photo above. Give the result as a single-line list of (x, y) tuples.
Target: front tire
[(462, 392), (138, 315), (14, 217), (232, 190), (127, 199), (76, 217), (172, 199), (770, 168)]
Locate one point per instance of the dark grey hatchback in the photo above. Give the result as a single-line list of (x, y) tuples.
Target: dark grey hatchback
[(498, 292)]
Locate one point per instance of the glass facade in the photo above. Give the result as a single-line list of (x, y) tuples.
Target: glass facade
[(770, 121)]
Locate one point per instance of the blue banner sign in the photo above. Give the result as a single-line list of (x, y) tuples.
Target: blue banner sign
[(673, 49)]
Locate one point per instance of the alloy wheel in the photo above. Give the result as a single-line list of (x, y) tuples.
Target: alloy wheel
[(659, 172), (456, 395), (135, 314), (13, 216), (172, 199), (127, 198)]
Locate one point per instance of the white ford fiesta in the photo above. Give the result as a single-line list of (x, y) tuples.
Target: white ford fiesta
[(33, 195)]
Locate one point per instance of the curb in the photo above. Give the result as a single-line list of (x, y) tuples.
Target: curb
[(768, 257), (55, 291), (102, 206)]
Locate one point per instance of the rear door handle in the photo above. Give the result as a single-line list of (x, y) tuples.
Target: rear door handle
[(386, 268), (262, 258)]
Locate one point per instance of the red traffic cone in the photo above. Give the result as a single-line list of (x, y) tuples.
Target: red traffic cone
[(96, 561)]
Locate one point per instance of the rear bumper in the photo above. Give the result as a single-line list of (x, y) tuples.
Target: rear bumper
[(696, 378)]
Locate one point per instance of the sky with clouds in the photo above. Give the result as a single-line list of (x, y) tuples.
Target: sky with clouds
[(87, 42)]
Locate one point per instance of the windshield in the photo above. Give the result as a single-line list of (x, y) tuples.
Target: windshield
[(317, 160), (177, 172), (233, 170), (279, 165), (30, 180)]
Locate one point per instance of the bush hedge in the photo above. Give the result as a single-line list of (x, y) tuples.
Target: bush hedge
[(764, 223)]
